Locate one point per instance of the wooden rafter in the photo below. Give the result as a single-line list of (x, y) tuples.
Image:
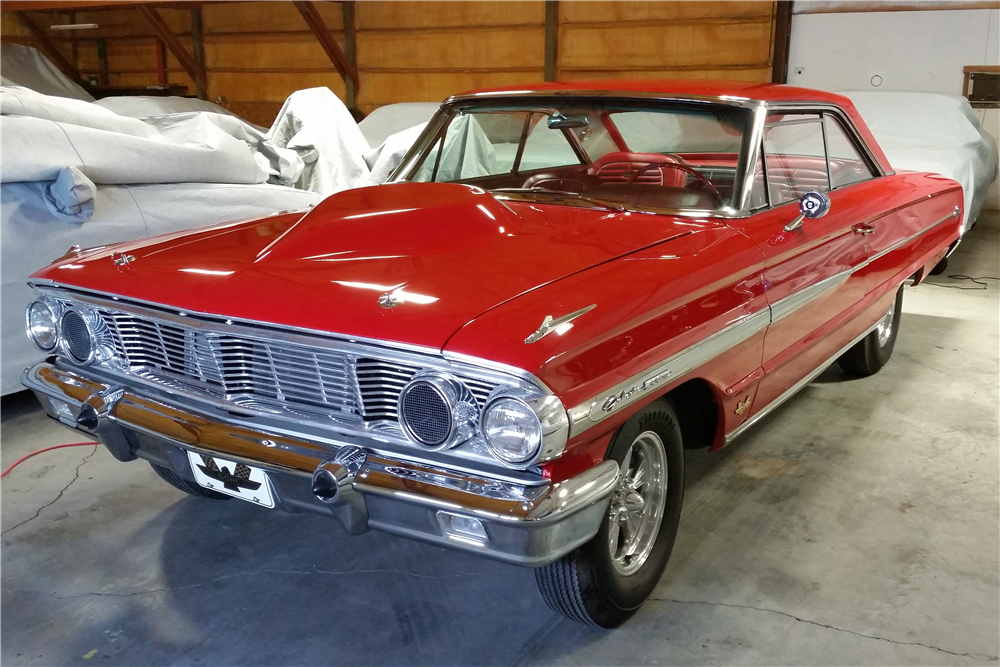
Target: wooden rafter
[(48, 47), (174, 45), (351, 49), (551, 39), (318, 26)]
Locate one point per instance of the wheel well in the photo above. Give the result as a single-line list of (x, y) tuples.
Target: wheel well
[(698, 412)]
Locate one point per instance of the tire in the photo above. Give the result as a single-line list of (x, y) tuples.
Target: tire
[(171, 478), (872, 352), (589, 585)]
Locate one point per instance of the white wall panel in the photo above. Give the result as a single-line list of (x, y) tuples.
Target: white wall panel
[(906, 50)]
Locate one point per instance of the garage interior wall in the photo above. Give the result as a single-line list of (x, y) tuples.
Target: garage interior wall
[(845, 45), (257, 53)]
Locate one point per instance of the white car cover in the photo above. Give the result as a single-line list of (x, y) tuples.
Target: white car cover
[(386, 121), (24, 66), (933, 132), (141, 106)]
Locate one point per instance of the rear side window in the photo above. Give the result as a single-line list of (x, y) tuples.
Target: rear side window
[(805, 152), (846, 166)]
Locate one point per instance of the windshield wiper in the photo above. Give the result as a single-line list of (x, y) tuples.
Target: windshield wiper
[(607, 205)]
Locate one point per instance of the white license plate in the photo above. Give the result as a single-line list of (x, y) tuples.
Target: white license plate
[(231, 478)]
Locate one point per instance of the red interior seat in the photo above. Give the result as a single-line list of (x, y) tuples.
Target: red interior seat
[(620, 167)]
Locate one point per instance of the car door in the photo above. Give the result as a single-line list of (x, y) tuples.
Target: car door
[(811, 272)]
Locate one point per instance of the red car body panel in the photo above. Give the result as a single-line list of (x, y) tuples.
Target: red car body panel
[(456, 250), (479, 273)]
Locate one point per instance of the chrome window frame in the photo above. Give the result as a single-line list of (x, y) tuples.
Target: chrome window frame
[(764, 109)]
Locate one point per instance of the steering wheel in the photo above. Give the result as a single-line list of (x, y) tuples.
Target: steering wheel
[(703, 183)]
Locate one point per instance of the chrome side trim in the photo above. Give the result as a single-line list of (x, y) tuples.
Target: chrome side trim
[(605, 404), (795, 388), (785, 307)]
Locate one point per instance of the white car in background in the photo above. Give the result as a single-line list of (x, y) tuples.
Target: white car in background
[(933, 132)]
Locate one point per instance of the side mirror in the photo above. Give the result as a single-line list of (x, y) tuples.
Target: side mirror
[(813, 204)]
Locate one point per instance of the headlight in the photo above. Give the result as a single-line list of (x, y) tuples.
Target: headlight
[(437, 411), (42, 324), (512, 430)]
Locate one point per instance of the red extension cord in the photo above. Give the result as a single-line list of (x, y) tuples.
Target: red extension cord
[(47, 449)]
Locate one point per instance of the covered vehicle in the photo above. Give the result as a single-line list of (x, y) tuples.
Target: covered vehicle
[(507, 349), (933, 132)]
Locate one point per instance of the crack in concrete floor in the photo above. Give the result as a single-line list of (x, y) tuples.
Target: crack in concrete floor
[(975, 656), (76, 476)]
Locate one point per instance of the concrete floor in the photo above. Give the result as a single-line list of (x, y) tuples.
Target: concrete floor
[(857, 525)]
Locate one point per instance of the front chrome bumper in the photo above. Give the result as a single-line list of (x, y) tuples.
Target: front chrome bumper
[(530, 523)]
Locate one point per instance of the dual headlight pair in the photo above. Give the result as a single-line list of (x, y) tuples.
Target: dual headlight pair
[(439, 412), (77, 331)]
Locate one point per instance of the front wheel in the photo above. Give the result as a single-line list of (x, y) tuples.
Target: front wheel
[(872, 352), (606, 580)]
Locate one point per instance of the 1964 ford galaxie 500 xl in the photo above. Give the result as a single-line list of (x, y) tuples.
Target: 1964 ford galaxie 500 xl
[(507, 349)]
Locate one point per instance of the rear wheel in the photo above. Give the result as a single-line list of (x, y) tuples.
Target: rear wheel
[(174, 480), (873, 351), (606, 580)]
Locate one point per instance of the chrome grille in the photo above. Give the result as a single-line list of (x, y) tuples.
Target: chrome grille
[(379, 383), (263, 373)]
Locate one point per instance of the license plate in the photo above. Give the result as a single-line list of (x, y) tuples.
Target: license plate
[(232, 478)]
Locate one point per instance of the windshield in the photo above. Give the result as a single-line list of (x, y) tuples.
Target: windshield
[(668, 156)]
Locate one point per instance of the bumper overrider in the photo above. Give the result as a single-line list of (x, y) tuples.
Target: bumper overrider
[(349, 478)]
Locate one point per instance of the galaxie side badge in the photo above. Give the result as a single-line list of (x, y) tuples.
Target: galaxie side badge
[(559, 325)]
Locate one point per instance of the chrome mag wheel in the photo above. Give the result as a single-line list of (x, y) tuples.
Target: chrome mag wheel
[(637, 503), (884, 327)]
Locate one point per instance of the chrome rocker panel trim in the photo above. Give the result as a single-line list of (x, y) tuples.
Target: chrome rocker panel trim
[(796, 388), (528, 520)]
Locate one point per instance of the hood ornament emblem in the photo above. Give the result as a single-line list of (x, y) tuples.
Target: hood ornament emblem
[(559, 325), (121, 259), (389, 300)]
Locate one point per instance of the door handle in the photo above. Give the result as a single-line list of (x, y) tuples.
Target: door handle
[(863, 229)]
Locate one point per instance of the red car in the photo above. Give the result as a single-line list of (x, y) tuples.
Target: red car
[(507, 349)]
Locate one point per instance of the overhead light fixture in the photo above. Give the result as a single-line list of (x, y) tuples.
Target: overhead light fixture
[(74, 26)]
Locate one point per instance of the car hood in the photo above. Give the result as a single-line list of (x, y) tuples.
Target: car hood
[(443, 253)]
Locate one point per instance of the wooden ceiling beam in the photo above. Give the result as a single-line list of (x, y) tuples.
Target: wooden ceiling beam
[(48, 47), (96, 5), (174, 45), (333, 51)]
